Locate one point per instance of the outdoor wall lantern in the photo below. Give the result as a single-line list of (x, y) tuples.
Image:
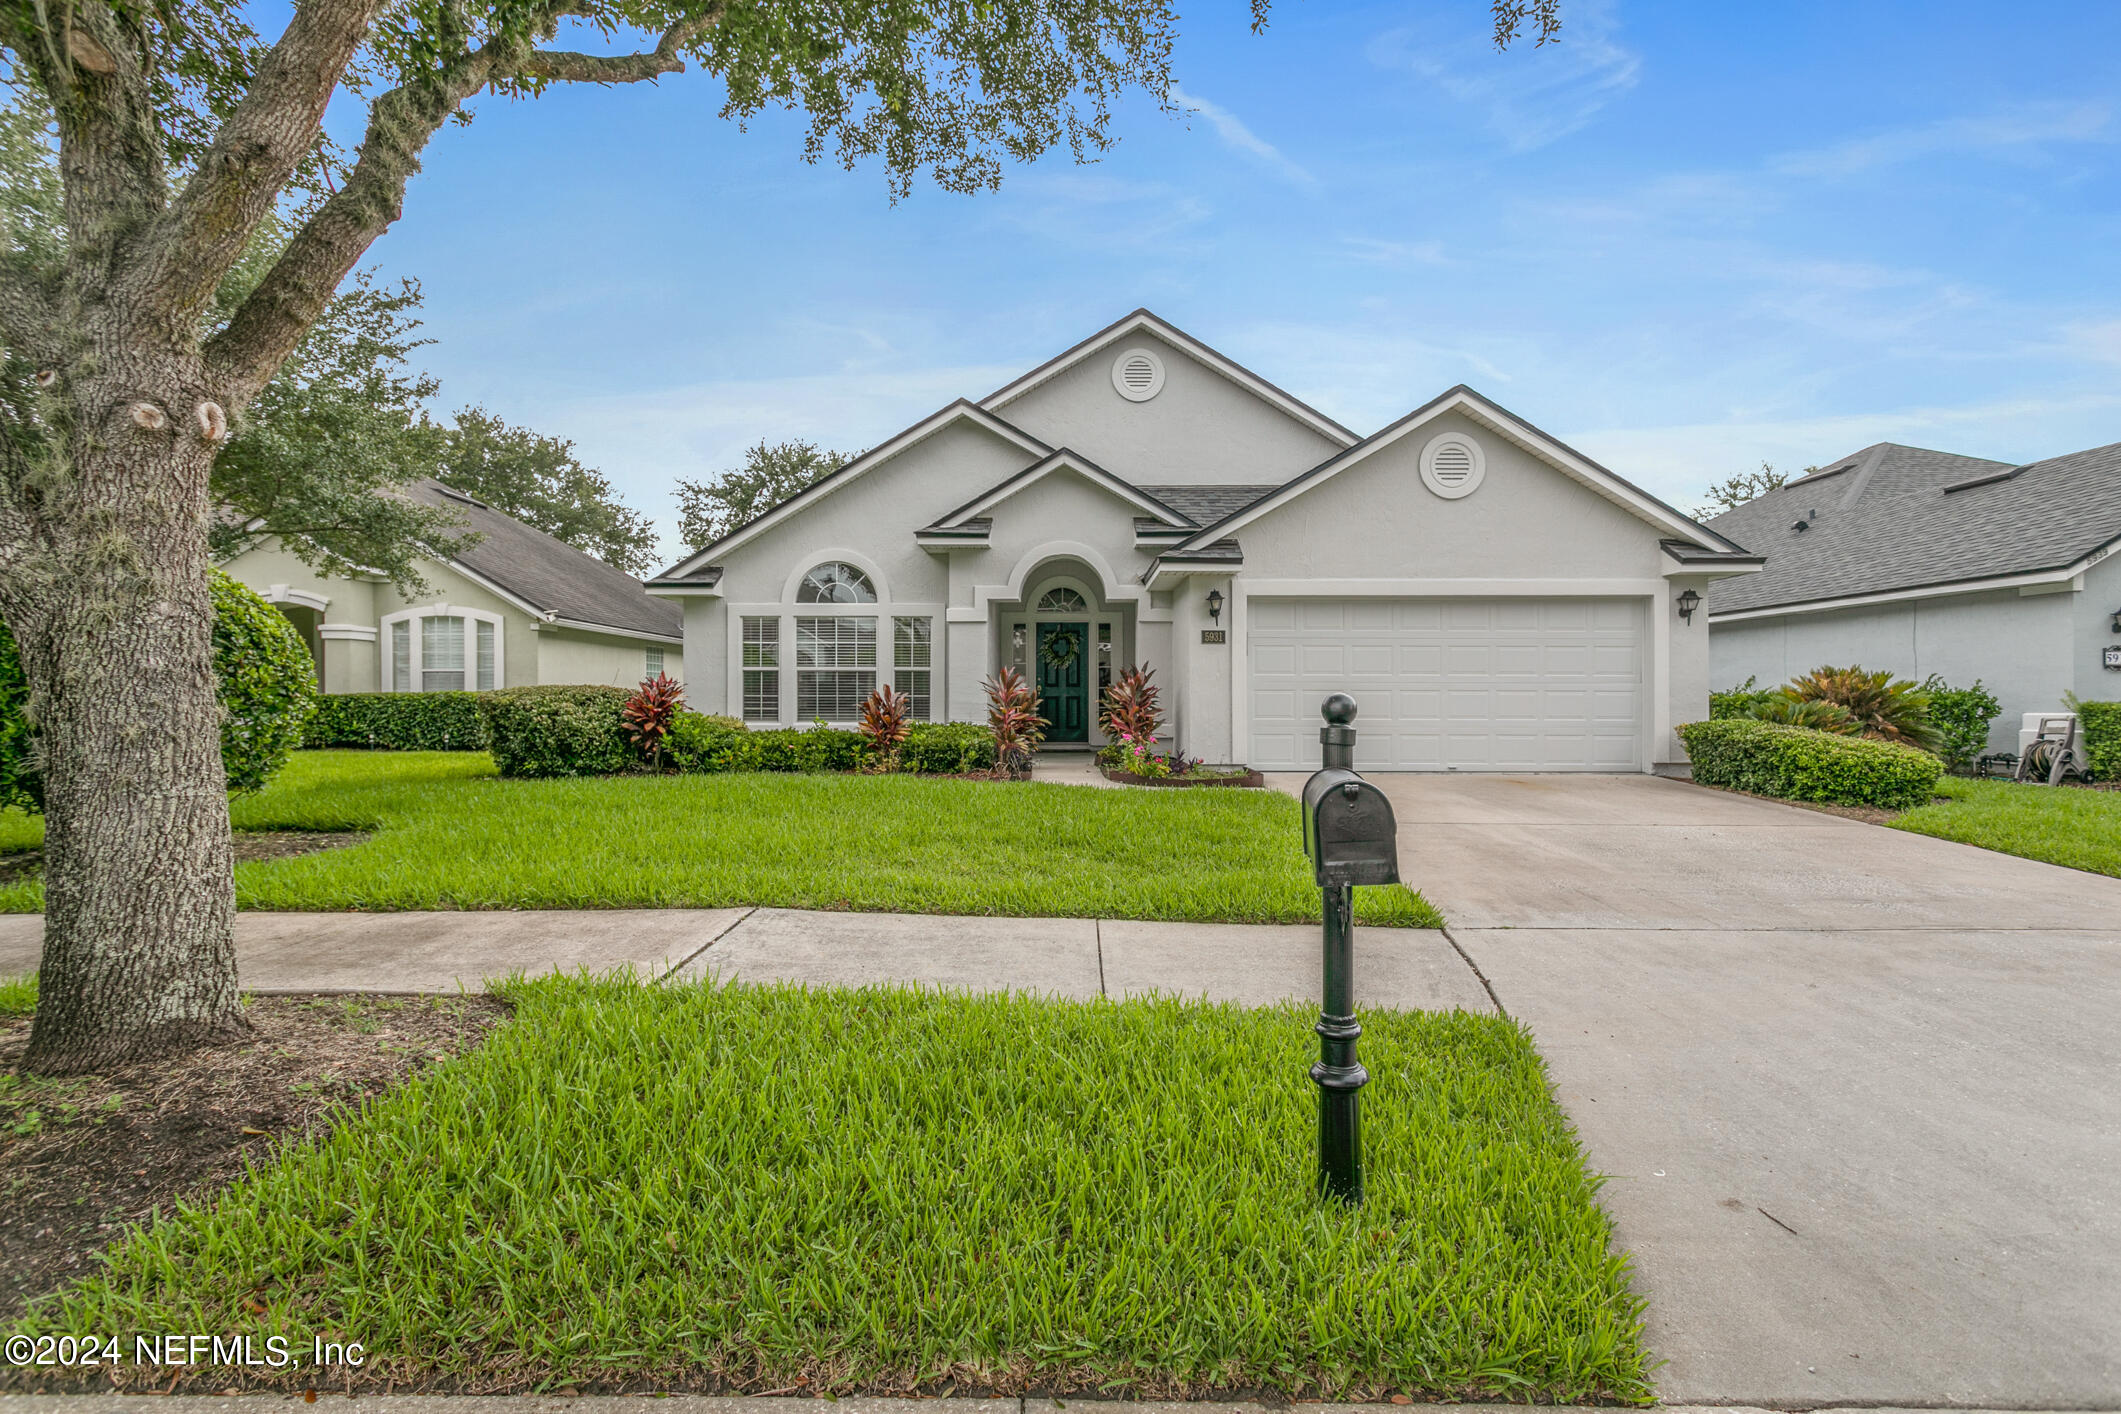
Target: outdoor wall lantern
[(1215, 606), (2117, 621), (1688, 603)]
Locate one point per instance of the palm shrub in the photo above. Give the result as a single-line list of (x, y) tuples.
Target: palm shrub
[(648, 714), (1013, 717), (1815, 713), (886, 714), (266, 684), (1961, 716), (1883, 708)]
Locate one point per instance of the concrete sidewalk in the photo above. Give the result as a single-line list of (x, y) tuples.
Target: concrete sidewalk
[(1066, 957)]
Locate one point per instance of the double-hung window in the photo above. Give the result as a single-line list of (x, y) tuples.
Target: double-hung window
[(835, 667), (762, 669), (910, 663), (444, 650)]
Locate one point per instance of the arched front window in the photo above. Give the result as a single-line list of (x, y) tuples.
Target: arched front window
[(442, 648), (1061, 601), (834, 582)]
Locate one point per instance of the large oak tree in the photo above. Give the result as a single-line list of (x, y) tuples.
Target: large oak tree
[(181, 133)]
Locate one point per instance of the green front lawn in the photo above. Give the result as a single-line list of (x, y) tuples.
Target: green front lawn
[(774, 1188), (448, 833), (2058, 824)]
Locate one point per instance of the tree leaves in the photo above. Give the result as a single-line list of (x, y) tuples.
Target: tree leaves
[(771, 473)]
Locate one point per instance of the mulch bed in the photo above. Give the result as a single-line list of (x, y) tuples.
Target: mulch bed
[(252, 847), (1246, 779), (107, 1151)]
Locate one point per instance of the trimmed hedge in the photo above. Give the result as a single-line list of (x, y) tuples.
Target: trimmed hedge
[(2101, 724), (558, 730), (1738, 701), (947, 748), (704, 743), (264, 678), (398, 721), (1797, 763)]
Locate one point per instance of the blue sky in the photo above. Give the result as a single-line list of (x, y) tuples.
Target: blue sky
[(1687, 239)]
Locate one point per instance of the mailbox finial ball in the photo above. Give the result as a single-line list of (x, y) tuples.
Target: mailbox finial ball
[(1338, 710)]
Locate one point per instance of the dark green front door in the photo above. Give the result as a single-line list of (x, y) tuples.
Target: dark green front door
[(1063, 649)]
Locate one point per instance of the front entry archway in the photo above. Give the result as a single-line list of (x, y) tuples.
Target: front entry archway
[(1067, 641)]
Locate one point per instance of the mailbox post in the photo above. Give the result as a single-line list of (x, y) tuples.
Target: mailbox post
[(1352, 839)]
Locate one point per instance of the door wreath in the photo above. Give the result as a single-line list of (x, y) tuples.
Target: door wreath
[(1060, 650)]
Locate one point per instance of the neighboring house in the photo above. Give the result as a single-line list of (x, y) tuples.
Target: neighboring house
[(516, 608), (1924, 562), (1493, 599)]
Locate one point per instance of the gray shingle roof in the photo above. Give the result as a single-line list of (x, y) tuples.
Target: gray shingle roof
[(1205, 505), (1886, 521), (548, 573)]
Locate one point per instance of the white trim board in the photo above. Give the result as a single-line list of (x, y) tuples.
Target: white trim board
[(1494, 418), (1140, 321), (1068, 460), (959, 411), (1453, 588)]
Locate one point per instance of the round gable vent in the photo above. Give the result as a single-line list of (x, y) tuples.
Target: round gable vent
[(1452, 466), (1138, 375)]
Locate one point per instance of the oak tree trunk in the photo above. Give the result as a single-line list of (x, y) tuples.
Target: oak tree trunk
[(116, 643)]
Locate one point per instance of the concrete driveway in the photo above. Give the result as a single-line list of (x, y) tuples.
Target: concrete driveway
[(1859, 1091)]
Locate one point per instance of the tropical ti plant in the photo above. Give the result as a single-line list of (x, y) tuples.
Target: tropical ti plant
[(1881, 707), (1013, 716), (887, 715), (649, 713), (1128, 708)]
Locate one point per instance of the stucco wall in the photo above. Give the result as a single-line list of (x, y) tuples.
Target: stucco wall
[(528, 655), (2021, 646), (2093, 630), (1201, 429)]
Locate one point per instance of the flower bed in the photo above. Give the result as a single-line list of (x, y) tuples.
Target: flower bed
[(1237, 776)]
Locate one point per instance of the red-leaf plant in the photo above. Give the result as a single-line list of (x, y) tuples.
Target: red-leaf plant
[(648, 715), (886, 717), (1013, 716), (1129, 706)]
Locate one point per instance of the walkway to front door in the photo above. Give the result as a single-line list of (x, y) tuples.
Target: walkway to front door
[(1062, 650)]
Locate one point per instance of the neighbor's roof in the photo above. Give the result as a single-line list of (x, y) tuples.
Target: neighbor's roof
[(549, 575), (1901, 518)]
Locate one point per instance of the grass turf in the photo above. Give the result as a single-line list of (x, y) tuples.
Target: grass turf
[(2060, 825), (776, 1188), (18, 995), (448, 833)]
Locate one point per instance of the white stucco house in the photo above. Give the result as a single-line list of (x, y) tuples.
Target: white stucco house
[(514, 609), (1925, 562), (1493, 599)]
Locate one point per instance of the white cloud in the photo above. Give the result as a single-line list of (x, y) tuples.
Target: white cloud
[(1372, 251), (1090, 210), (1232, 130), (1680, 461), (2020, 131), (1528, 95)]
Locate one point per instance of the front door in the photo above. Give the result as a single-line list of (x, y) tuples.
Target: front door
[(1062, 652)]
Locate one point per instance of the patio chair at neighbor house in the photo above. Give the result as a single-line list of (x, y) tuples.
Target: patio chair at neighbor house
[(2054, 752)]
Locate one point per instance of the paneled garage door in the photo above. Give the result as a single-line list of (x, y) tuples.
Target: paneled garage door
[(1451, 684)]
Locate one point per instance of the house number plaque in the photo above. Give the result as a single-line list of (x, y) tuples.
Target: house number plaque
[(1215, 635), (2113, 656)]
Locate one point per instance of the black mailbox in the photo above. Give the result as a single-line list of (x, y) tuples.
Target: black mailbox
[(1349, 831)]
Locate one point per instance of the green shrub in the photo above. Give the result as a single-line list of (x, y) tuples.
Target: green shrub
[(947, 748), (266, 681), (698, 741), (560, 730), (1737, 701), (802, 749), (398, 721), (1961, 716), (1796, 763), (2101, 725)]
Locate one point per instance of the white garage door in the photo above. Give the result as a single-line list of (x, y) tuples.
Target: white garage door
[(1450, 684)]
